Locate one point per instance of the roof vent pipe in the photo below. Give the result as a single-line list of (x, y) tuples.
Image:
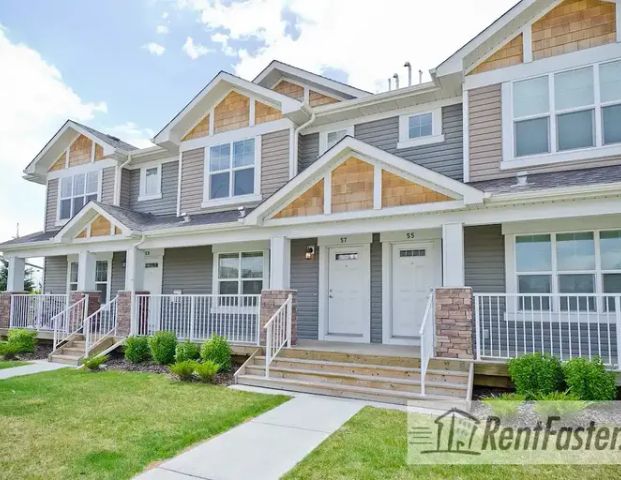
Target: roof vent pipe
[(396, 77), (420, 77), (389, 84), (409, 67)]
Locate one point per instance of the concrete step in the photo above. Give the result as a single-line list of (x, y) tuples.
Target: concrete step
[(66, 359)]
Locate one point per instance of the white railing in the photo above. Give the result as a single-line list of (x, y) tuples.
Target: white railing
[(278, 333), (69, 321), (198, 317), (427, 339), (563, 325), (100, 325), (35, 311)]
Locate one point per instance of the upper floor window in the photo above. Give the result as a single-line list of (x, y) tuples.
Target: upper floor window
[(420, 128), (75, 192), (565, 111), (330, 138), (150, 183)]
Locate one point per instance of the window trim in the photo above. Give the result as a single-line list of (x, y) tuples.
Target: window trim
[(599, 150), (232, 200), (100, 257), (251, 248), (323, 136), (143, 196), (437, 135), (60, 222)]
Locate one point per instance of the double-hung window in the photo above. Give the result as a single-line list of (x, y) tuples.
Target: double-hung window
[(240, 273), (231, 170), (420, 128), (150, 183), (75, 192), (330, 138)]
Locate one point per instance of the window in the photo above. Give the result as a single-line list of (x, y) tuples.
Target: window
[(566, 111), (101, 280), (328, 139), (420, 129), (73, 276), (231, 170), (568, 263), (150, 183), (75, 192), (240, 273)]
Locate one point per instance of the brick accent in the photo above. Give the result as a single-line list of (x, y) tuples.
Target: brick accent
[(454, 324), (124, 314), (5, 308), (94, 303), (271, 301)]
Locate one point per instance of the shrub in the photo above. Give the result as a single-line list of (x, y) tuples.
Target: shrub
[(8, 350), (536, 374), (25, 340), (218, 350), (207, 371), (184, 370), (187, 351), (559, 403), (93, 363), (162, 346), (137, 349), (589, 380), (506, 405)]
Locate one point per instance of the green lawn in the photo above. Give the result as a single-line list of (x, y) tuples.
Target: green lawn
[(11, 364), (373, 445), (109, 425)]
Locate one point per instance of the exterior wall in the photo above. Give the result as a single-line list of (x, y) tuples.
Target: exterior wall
[(485, 124), (231, 113), (308, 150), (484, 258), (274, 161), (107, 185), (271, 301), (117, 277), (376, 290), (305, 279), (290, 89), (512, 53), (192, 171), (51, 204), (352, 186), (167, 205), (309, 203), (125, 188), (188, 269), (454, 323), (55, 275)]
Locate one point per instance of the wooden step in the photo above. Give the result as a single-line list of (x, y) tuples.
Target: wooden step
[(368, 381), (70, 350), (66, 359)]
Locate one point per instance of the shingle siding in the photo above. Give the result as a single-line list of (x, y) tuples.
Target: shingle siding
[(55, 275), (107, 185), (167, 205), (188, 269), (51, 204), (305, 279), (274, 161), (484, 258)]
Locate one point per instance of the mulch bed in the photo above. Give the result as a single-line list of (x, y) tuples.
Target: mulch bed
[(479, 393), (41, 352)]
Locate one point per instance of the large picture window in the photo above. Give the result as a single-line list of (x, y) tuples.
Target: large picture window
[(231, 170), (75, 192), (240, 273)]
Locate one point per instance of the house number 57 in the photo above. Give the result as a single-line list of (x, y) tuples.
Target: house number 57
[(343, 239)]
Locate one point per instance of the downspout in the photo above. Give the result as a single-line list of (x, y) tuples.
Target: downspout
[(119, 170), (296, 134)]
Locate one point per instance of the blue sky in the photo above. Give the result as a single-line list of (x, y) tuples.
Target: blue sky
[(127, 67)]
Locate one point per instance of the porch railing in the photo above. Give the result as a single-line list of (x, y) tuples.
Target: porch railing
[(69, 321), (277, 332), (35, 311), (427, 336), (198, 317), (100, 325), (563, 325)]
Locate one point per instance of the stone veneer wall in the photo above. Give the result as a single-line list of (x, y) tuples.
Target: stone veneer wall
[(454, 323), (271, 301)]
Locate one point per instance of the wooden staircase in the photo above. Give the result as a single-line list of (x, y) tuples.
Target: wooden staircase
[(382, 378), (72, 351)]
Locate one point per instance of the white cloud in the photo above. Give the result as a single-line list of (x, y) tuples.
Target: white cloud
[(35, 103), (154, 48), (194, 50), (132, 134), (223, 40), (366, 41), (162, 29)]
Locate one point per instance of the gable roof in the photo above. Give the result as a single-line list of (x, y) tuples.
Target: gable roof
[(87, 214), (221, 84)]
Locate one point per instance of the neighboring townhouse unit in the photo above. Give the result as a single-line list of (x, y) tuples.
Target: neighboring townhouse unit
[(474, 216)]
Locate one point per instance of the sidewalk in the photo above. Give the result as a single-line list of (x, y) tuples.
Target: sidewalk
[(264, 448), (34, 366)]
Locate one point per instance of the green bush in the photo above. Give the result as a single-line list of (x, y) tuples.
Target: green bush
[(218, 350), (207, 371), (536, 374), (137, 349), (506, 405), (162, 346), (184, 370), (8, 351), (93, 363), (25, 340), (559, 403), (187, 351), (589, 380)]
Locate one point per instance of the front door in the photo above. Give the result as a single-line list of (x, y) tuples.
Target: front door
[(348, 294), (412, 281), (152, 283)]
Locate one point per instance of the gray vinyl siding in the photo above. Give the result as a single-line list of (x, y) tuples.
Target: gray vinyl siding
[(376, 290), (167, 205), (192, 172), (55, 275), (274, 161), (51, 204), (484, 258), (305, 279), (125, 188), (308, 150), (445, 158), (107, 185), (117, 280), (188, 269)]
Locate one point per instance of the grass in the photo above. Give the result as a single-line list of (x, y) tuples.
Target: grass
[(373, 444), (11, 364), (109, 425)]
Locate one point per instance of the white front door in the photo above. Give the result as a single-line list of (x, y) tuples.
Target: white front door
[(412, 280), (152, 283), (348, 294)]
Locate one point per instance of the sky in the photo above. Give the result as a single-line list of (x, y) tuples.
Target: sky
[(127, 67)]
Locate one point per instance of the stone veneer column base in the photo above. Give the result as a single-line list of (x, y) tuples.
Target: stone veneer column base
[(271, 301), (5, 308), (124, 314), (454, 323)]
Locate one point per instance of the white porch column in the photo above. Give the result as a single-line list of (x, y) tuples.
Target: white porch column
[(86, 272), (453, 255), (15, 274), (134, 269), (280, 263)]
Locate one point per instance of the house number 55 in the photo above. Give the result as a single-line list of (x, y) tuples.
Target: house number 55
[(409, 235)]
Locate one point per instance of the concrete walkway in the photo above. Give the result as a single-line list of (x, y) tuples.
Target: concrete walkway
[(34, 366), (264, 448)]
